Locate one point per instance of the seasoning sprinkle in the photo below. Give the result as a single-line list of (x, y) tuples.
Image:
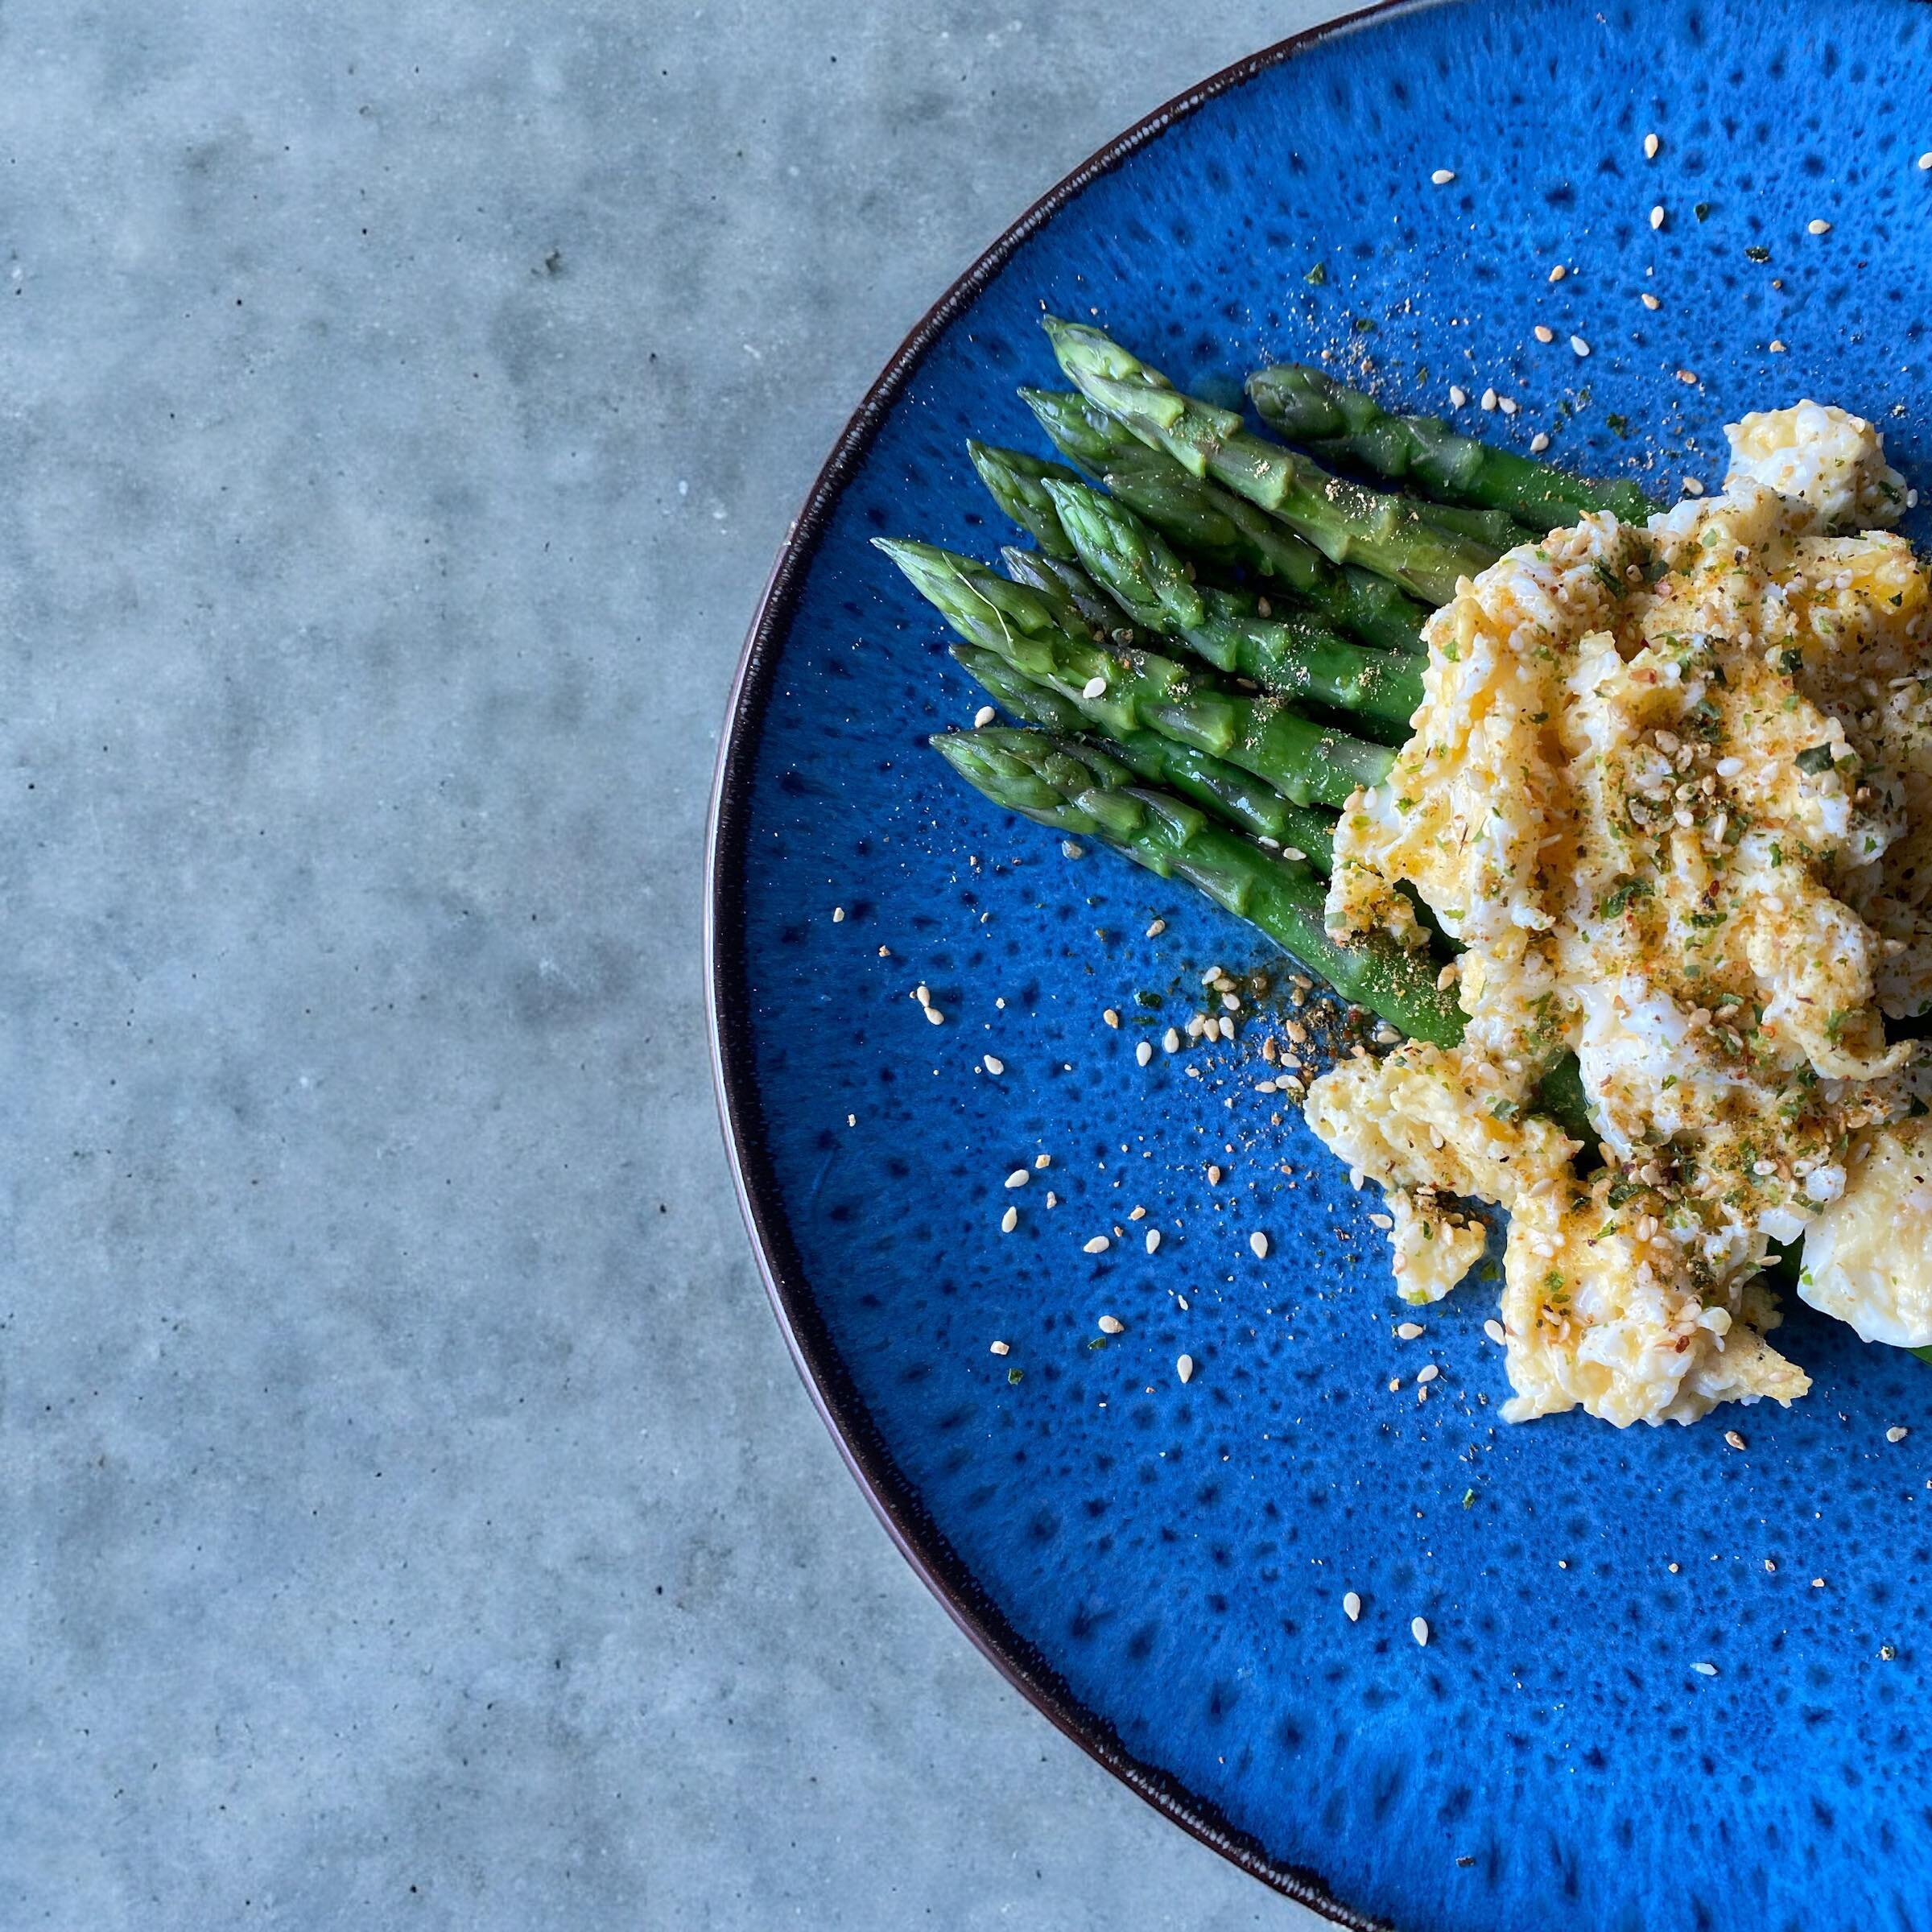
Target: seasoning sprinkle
[(1042, 1160), (1418, 1629), (1009, 1221), (1896, 1435), (1258, 1242), (1098, 1245), (838, 915), (1184, 1368), (1732, 1437), (1352, 1606), (1000, 1348)]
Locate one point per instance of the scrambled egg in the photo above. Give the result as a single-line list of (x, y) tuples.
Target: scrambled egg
[(1671, 789)]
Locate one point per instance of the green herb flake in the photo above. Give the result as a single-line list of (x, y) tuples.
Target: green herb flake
[(1317, 275)]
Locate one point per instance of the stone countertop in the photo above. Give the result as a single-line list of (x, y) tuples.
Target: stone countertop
[(411, 1516)]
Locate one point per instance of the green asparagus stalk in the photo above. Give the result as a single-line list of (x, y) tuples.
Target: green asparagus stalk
[(1202, 520), (1294, 656), (1203, 780), (1346, 522), (1138, 690), (1017, 482), (1311, 408), (1085, 609), (1495, 527), (1083, 792)]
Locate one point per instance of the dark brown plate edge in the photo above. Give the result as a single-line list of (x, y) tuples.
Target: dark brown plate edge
[(893, 1499)]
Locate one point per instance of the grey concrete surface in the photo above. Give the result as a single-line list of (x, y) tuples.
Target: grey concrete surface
[(409, 1516)]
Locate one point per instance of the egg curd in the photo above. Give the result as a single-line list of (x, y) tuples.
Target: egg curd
[(1670, 788)]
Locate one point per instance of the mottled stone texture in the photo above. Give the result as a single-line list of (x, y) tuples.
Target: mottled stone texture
[(409, 1515)]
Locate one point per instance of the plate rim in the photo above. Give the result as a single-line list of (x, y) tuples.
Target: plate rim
[(893, 1499)]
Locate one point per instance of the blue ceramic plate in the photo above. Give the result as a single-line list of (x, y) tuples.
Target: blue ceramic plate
[(1161, 1566)]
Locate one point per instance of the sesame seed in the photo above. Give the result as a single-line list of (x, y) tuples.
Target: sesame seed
[(1214, 1177), (1137, 1214), (1000, 1348), (1418, 1629), (1538, 443), (1428, 1374), (934, 1015), (1777, 348), (851, 1120), (1732, 1437), (984, 717), (1068, 850), (1817, 227), (1684, 375), (1095, 688), (1409, 1331), (1442, 176), (1157, 928), (1558, 273), (1657, 215), (1896, 1435), (1925, 164), (1111, 1324), (1495, 1332), (1009, 1221), (1184, 1368), (922, 994), (1018, 1177), (1143, 1053), (1258, 1242), (1180, 1302), (1508, 405), (1111, 1017), (1705, 1670), (1352, 1606), (1545, 333), (1153, 1239), (1649, 300), (1042, 1160), (1458, 396), (1650, 147), (1170, 1041), (993, 1064), (1098, 1245), (1580, 345), (838, 915), (1489, 401)]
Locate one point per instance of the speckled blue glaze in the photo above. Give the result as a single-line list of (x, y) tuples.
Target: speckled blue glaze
[(1165, 1564)]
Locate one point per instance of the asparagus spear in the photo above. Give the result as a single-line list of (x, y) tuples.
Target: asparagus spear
[(1083, 792), (1346, 522), (1310, 407), (1017, 483), (1215, 525), (1206, 781), (1085, 609), (1137, 690), (1294, 656)]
